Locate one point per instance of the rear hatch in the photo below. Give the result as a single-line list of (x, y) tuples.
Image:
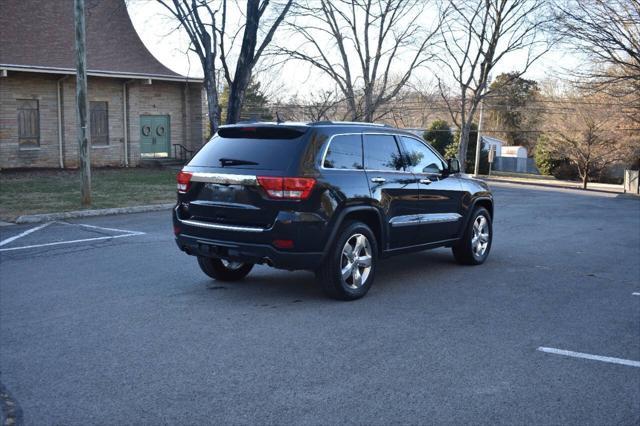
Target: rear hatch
[(232, 174)]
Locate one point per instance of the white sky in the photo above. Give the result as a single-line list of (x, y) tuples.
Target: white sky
[(155, 29)]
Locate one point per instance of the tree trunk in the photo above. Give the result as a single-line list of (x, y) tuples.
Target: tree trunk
[(464, 143), (368, 104), (585, 176), (244, 67), (212, 102), (236, 97)]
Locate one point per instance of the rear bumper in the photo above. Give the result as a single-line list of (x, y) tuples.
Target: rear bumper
[(247, 252), (254, 245)]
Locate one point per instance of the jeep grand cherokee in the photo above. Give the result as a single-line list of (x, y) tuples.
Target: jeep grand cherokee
[(330, 197)]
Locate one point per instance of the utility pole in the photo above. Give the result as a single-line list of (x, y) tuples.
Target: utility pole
[(82, 104), (476, 169)]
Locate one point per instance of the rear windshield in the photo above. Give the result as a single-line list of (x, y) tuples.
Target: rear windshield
[(250, 148)]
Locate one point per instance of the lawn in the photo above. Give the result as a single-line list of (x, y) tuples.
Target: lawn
[(47, 191)]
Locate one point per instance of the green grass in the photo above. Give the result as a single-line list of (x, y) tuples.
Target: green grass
[(47, 191)]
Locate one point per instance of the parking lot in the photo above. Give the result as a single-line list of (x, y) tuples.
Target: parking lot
[(105, 321)]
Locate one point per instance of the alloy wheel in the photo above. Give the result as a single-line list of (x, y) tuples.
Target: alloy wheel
[(480, 238), (231, 265), (355, 261)]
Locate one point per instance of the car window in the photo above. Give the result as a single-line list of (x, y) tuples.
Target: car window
[(344, 152), (254, 148), (419, 158), (381, 153)]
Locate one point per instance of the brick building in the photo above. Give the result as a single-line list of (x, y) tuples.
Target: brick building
[(138, 107)]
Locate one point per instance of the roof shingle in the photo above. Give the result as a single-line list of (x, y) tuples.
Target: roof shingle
[(40, 34)]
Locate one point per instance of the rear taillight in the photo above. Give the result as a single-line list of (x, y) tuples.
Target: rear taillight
[(287, 188), (184, 181)]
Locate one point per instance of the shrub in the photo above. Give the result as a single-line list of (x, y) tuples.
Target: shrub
[(468, 167), (439, 135)]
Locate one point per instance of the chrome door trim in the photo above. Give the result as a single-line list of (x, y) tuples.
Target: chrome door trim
[(440, 217), (421, 219), (224, 178), (407, 220)]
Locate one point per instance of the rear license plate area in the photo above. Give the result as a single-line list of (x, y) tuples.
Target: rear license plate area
[(223, 193)]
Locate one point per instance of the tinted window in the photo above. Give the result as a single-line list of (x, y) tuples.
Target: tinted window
[(419, 158), (381, 153), (246, 150), (344, 152)]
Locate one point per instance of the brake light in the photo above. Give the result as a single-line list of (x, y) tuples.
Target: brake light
[(287, 188), (184, 181), (283, 244)]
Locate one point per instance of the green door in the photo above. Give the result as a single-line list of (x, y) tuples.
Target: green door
[(154, 136)]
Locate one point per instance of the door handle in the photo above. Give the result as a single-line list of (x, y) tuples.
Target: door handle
[(425, 181), (378, 180)]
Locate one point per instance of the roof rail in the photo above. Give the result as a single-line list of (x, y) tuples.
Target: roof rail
[(345, 123)]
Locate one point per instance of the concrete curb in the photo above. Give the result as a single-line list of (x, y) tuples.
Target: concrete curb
[(550, 185), (48, 217)]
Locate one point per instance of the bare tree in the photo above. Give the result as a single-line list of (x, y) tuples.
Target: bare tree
[(608, 32), (205, 22), (368, 38), (587, 134), (477, 36), (323, 105)]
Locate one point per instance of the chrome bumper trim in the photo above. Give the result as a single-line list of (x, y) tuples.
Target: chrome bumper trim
[(221, 227)]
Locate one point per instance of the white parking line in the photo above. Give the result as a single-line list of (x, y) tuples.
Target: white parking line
[(102, 227), (126, 233), (635, 294), (72, 241), (27, 232), (608, 359)]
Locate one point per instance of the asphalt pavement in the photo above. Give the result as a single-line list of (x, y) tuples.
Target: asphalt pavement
[(104, 321)]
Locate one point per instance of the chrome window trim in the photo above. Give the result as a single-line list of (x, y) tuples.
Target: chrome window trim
[(224, 178), (396, 135), (421, 219)]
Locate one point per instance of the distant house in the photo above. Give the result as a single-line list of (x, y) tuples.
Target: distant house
[(512, 159), (138, 107), (488, 142), (514, 151)]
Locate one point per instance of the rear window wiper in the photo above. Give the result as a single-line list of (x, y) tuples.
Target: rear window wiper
[(235, 162)]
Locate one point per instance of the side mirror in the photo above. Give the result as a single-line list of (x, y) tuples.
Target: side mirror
[(454, 165)]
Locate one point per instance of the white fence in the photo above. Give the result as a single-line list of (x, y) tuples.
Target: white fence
[(631, 184)]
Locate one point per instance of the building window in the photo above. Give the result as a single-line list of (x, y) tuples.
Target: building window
[(28, 123), (99, 123)]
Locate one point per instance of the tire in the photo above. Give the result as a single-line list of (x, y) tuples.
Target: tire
[(220, 270), (474, 247), (356, 283)]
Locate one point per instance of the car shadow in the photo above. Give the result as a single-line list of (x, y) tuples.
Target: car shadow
[(265, 285)]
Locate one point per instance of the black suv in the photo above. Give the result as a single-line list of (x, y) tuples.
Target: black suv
[(330, 197)]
